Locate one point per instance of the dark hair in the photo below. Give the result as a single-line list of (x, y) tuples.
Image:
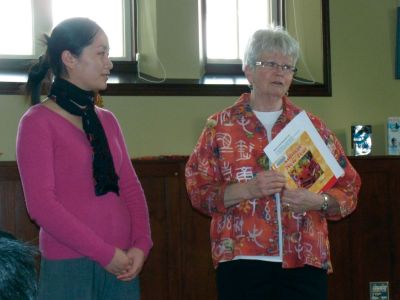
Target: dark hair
[(18, 279), (73, 35)]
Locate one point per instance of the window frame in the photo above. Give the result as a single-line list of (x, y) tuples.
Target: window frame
[(229, 68), (127, 82), (21, 63)]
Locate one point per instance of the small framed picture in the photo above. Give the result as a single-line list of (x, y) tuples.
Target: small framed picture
[(361, 136), (393, 135), (379, 290)]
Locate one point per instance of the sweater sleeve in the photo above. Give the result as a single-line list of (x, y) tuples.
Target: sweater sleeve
[(132, 193), (35, 159)]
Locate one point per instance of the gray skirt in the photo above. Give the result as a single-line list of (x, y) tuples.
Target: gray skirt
[(82, 279)]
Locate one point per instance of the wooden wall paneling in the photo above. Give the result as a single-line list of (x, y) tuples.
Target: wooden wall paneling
[(13, 215), (155, 274), (369, 237), (174, 227), (197, 267), (339, 234), (365, 246), (7, 198), (180, 235), (394, 207), (7, 207), (370, 234), (161, 277)]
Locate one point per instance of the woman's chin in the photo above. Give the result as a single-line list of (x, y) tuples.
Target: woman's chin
[(102, 87)]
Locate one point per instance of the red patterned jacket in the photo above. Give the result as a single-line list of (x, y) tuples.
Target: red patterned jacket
[(231, 149)]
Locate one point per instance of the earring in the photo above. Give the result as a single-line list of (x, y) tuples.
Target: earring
[(98, 100)]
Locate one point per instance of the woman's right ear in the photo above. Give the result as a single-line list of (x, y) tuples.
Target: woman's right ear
[(248, 72), (69, 60)]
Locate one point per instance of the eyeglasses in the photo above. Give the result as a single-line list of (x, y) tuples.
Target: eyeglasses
[(271, 65)]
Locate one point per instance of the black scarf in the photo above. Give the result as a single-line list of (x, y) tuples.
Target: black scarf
[(81, 103)]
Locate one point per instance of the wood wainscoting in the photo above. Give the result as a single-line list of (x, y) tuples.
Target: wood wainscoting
[(365, 246)]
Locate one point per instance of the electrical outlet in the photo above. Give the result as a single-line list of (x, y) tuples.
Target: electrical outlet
[(137, 56)]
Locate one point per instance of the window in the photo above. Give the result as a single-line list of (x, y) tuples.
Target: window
[(228, 25), (223, 77), (21, 28), (38, 17)]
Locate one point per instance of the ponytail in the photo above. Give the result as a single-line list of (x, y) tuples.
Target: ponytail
[(35, 77)]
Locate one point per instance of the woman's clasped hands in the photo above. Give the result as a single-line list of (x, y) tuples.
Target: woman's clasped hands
[(126, 265), (269, 183), (266, 183)]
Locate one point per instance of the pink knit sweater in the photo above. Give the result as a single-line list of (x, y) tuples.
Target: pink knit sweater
[(55, 163)]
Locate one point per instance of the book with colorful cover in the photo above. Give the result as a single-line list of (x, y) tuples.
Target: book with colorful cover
[(299, 152)]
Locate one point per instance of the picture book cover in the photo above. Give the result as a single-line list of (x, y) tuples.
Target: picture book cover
[(299, 152)]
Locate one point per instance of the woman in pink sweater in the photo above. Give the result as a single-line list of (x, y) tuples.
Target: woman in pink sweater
[(78, 180)]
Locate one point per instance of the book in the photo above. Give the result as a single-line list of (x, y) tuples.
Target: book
[(299, 152), (393, 136)]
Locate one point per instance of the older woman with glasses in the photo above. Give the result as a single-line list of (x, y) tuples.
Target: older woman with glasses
[(261, 249)]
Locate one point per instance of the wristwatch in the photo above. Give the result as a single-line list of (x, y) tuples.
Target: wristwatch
[(325, 203)]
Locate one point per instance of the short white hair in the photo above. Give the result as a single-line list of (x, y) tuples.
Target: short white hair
[(271, 40)]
